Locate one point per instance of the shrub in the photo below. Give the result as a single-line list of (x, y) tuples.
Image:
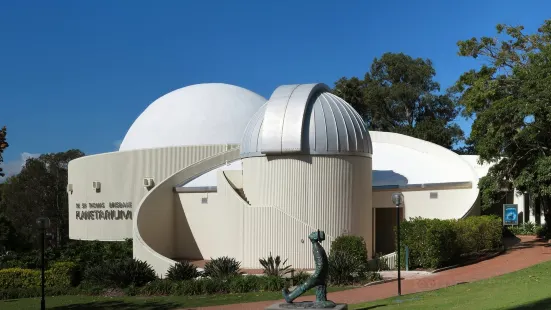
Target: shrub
[(272, 284), (214, 286), (274, 267), (182, 271), (121, 273), (342, 268), (432, 242), (88, 253), (300, 277), (222, 268), (378, 263), (19, 278), (83, 253), (60, 275), (435, 243), (64, 274), (348, 260), (355, 248), (159, 287), (189, 287), (245, 284), (373, 276), (478, 233), (542, 231), (528, 228)]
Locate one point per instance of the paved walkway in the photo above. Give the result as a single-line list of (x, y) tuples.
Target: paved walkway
[(528, 252)]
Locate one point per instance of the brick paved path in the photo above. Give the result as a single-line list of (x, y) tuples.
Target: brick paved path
[(528, 252)]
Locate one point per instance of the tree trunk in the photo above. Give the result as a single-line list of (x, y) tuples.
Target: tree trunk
[(537, 209), (546, 209)]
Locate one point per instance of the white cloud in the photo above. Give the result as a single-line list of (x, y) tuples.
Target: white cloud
[(13, 167)]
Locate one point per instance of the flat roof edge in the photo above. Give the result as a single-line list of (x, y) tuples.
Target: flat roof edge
[(196, 189), (426, 186), (379, 188)]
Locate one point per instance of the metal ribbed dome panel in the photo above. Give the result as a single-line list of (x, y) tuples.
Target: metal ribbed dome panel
[(306, 119)]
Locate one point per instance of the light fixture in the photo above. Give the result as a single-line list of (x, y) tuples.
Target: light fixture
[(397, 199), (148, 183)]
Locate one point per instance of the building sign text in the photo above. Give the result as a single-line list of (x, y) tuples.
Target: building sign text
[(102, 211)]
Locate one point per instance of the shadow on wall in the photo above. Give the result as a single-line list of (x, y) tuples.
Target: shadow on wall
[(388, 177), (186, 247)]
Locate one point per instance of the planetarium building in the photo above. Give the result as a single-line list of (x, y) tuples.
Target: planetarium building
[(214, 170)]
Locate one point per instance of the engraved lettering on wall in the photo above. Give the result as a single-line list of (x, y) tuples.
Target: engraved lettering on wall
[(111, 211)]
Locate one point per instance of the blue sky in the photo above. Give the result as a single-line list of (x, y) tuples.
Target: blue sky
[(75, 74)]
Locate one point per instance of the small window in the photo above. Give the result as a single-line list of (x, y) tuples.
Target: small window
[(434, 195), (204, 200)]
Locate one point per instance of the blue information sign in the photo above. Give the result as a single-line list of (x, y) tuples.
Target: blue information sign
[(510, 214)]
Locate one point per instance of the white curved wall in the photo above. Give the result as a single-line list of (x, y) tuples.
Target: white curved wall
[(160, 228), (211, 178), (331, 193), (402, 160), (121, 176)]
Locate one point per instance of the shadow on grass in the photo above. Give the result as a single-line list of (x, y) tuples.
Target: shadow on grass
[(512, 245), (120, 305), (540, 304), (371, 307)]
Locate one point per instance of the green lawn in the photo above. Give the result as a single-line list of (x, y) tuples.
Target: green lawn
[(525, 289), (141, 303)]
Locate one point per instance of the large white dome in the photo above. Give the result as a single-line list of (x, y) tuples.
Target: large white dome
[(199, 114)]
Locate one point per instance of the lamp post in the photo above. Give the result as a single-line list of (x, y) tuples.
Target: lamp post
[(398, 199), (43, 224)]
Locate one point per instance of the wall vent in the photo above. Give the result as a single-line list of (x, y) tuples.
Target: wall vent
[(434, 195), (204, 200)]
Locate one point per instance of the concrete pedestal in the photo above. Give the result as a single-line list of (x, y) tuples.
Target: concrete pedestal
[(310, 305)]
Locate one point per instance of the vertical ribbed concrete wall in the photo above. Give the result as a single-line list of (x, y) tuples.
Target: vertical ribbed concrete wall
[(236, 229), (330, 193), (121, 176)]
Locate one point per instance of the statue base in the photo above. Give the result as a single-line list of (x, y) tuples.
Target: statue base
[(310, 305)]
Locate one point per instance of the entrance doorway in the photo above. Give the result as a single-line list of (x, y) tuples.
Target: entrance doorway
[(385, 237)]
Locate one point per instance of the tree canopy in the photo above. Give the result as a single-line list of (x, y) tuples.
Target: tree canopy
[(510, 95), (399, 94), (38, 190), (3, 145)]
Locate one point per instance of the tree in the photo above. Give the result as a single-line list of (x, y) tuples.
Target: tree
[(510, 95), (399, 94), (39, 190), (3, 145)]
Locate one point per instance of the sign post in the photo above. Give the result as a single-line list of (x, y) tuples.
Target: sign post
[(510, 214)]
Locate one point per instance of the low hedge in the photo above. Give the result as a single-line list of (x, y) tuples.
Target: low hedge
[(164, 287), (207, 286), (435, 243), (478, 233), (61, 274)]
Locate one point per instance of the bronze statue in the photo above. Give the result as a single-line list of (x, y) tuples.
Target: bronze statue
[(318, 279)]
